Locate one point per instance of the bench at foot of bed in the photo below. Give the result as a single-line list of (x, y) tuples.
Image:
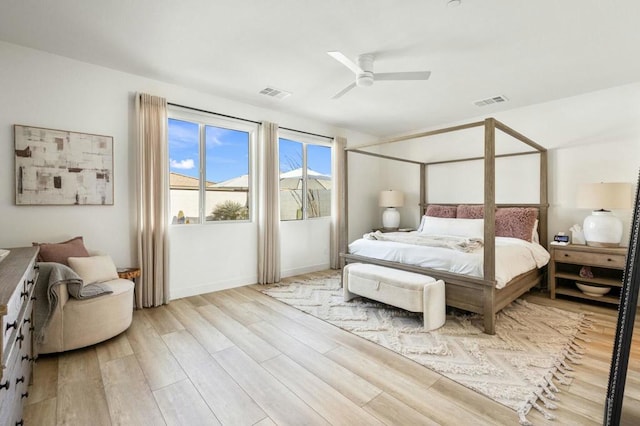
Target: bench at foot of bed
[(407, 290)]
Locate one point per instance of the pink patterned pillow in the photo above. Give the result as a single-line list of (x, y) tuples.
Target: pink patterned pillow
[(469, 211), (436, 210), (516, 222)]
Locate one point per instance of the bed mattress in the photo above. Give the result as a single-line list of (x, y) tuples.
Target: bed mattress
[(513, 257)]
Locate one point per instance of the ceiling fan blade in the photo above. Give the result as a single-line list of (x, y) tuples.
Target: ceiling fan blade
[(338, 56), (417, 75), (343, 91)]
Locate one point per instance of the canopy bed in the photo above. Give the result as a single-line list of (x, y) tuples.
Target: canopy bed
[(483, 294)]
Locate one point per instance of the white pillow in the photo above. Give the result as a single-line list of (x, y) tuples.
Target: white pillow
[(94, 269), (421, 223), (468, 228)]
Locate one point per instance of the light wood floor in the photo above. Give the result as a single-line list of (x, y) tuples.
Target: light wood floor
[(239, 357)]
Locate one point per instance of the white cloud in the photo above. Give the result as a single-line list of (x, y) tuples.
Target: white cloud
[(184, 164)]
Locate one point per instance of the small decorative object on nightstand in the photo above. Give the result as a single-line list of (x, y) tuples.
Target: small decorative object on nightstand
[(585, 272)]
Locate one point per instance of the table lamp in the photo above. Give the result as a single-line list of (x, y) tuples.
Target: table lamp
[(391, 199), (602, 228)]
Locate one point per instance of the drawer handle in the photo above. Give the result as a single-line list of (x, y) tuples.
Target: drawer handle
[(5, 385), (30, 282), (609, 260), (36, 267), (32, 328), (20, 423), (20, 380), (27, 320), (11, 325), (26, 394), (24, 294), (25, 357), (20, 338), (566, 255), (34, 298)]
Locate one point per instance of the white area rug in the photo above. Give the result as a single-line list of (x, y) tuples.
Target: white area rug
[(516, 367)]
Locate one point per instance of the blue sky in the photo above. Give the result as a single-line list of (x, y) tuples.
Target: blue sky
[(228, 152)]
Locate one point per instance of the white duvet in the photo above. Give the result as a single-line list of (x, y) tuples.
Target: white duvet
[(513, 257)]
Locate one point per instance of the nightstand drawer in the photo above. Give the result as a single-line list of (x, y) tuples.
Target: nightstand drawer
[(591, 259)]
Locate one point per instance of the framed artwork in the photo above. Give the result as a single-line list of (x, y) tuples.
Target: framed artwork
[(626, 319), (59, 167)]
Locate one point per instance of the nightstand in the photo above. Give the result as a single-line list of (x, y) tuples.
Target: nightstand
[(607, 265)]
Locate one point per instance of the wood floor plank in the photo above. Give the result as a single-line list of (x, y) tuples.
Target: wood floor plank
[(41, 413), (130, 399), (79, 365), (116, 347), (160, 368), (45, 379), (251, 344), (207, 334), (142, 335), (341, 379), (413, 392), (197, 301), (282, 405), (228, 401), (391, 411), (233, 304), (333, 406), (320, 343), (82, 402), (162, 320), (181, 404)]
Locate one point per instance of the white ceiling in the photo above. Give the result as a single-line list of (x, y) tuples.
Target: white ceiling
[(528, 51)]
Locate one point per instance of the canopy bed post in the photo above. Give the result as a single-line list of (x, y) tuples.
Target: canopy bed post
[(423, 188), (345, 206), (544, 201), (489, 223)]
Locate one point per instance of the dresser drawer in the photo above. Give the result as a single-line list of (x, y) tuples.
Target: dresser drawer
[(616, 261), (17, 303)]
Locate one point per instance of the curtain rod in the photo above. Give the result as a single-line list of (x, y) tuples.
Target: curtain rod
[(306, 133), (214, 113)]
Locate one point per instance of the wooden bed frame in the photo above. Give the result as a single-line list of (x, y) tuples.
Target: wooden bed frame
[(473, 294)]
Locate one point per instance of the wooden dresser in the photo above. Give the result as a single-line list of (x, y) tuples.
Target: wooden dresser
[(18, 275)]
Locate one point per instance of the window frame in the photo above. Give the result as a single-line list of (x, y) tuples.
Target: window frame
[(306, 140), (203, 119)]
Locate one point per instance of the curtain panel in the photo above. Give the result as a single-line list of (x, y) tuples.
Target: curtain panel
[(338, 203), (152, 288), (268, 206)]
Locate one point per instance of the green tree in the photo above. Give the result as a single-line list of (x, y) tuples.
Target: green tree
[(230, 210)]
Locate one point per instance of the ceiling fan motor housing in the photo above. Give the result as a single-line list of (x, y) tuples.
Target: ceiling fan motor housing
[(365, 78)]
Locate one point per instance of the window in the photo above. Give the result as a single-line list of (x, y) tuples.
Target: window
[(209, 168), (305, 177)]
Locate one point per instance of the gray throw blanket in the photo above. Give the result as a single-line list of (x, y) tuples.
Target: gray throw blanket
[(51, 276), (466, 245)]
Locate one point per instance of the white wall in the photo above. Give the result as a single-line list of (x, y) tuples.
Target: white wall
[(593, 137), (44, 90)]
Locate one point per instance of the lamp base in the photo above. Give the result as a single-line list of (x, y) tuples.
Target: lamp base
[(602, 229), (390, 218)]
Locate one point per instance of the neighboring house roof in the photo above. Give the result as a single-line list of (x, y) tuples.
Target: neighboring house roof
[(178, 181)]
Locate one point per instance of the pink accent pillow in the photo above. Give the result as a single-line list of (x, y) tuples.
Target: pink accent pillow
[(516, 222), (469, 211), (435, 210), (60, 252)]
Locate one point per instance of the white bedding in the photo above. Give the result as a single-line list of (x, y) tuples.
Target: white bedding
[(513, 257)]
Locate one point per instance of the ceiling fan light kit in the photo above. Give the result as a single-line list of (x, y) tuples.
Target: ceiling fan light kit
[(364, 75)]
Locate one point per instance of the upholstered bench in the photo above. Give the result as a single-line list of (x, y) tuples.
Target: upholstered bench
[(406, 290)]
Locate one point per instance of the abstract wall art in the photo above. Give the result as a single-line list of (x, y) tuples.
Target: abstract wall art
[(59, 167)]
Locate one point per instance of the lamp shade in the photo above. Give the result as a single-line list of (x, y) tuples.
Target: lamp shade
[(606, 196), (391, 198)]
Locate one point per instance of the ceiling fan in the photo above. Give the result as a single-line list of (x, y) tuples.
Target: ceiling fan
[(365, 76)]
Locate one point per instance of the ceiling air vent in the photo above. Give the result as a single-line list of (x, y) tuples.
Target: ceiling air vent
[(275, 93), (489, 101)]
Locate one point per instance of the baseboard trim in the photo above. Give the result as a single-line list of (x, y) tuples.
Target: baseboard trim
[(304, 270), (179, 293)]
